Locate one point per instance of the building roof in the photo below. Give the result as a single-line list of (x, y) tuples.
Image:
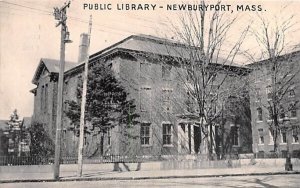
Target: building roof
[(157, 46), (52, 66), (280, 58), (134, 43)]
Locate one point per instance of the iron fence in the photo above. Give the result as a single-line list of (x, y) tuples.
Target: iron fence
[(23, 160), (38, 160)]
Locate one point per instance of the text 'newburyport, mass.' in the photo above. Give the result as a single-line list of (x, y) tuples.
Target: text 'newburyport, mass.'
[(171, 7)]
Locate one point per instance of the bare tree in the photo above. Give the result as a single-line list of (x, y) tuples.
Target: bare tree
[(205, 66), (277, 74)]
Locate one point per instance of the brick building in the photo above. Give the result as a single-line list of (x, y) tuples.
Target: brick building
[(286, 78), (166, 125)]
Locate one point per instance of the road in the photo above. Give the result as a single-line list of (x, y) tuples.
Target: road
[(271, 181)]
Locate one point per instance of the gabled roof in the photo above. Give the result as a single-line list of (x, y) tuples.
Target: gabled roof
[(146, 43), (134, 43), (52, 66), (156, 46)]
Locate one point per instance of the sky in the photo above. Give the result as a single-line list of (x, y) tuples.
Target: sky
[(28, 33)]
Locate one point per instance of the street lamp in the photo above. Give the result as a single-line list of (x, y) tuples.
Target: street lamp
[(288, 163)]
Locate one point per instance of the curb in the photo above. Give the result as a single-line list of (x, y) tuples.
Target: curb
[(146, 177)]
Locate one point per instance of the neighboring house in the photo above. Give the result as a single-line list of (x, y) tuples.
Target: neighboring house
[(14, 137), (286, 79), (4, 131), (165, 128)]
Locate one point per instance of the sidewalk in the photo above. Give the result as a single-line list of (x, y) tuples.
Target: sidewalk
[(138, 175)]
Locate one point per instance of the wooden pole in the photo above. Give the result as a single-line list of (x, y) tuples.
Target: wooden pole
[(83, 101), (62, 21)]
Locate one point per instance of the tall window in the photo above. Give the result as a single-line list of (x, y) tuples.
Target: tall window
[(145, 70), (167, 134), (235, 135), (42, 98), (269, 92), (295, 133), (145, 134), (283, 136), (293, 110), (145, 99), (108, 131), (46, 98), (259, 114), (261, 136), (166, 100), (272, 133), (270, 111), (166, 72), (257, 94), (281, 112), (189, 103)]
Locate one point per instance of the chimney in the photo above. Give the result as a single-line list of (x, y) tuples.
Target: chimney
[(83, 46)]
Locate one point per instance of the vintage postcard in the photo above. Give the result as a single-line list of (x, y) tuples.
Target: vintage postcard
[(157, 93)]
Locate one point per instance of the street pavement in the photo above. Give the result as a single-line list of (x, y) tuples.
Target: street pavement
[(272, 181), (94, 174)]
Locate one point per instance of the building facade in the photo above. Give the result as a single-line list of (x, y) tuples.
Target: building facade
[(275, 94), (166, 125)]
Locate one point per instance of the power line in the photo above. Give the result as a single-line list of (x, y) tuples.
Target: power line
[(72, 17), (79, 20), (19, 5), (47, 14), (99, 27)]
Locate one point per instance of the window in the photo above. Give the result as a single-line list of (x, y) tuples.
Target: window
[(272, 133), (145, 70), (269, 92), (189, 103), (145, 134), (270, 111), (281, 112), (85, 140), (166, 100), (42, 98), (167, 134), (108, 132), (295, 133), (283, 136), (261, 136), (293, 110), (259, 114), (46, 98), (257, 95), (145, 99), (235, 135), (166, 72)]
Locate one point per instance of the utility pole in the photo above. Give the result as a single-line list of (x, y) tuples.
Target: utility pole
[(83, 101), (60, 15)]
